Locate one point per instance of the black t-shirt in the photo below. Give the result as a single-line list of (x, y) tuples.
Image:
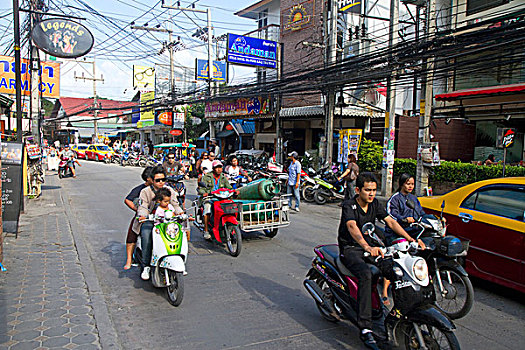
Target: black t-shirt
[(352, 211), (135, 193)]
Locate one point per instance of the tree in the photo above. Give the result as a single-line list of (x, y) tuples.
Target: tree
[(193, 130)]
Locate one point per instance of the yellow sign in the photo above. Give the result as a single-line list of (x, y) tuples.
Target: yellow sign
[(49, 73), (144, 78), (147, 114), (349, 142)]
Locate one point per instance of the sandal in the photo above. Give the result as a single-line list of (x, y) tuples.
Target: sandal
[(385, 301), (127, 267)]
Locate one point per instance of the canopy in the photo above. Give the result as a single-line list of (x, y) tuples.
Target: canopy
[(185, 145), (179, 145)]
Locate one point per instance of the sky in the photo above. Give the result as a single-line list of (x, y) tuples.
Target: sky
[(117, 47)]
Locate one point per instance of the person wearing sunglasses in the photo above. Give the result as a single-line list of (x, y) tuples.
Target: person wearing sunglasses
[(146, 207), (171, 165)]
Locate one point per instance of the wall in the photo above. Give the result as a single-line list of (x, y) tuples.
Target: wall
[(456, 140)]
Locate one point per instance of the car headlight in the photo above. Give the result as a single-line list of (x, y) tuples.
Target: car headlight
[(420, 269)]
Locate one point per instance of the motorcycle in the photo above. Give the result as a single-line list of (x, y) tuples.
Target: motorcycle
[(223, 223), (328, 187), (177, 184), (454, 290), (169, 254), (308, 185), (63, 169), (237, 181), (413, 323)]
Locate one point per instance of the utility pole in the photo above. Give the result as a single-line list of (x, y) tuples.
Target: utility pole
[(424, 118), (34, 101), (278, 103), (332, 58), (210, 50), (18, 68), (390, 116), (94, 79)]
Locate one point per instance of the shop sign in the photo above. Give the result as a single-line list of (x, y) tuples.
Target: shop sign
[(62, 38), (176, 132), (249, 51), (147, 115), (505, 137), (12, 159), (220, 70), (349, 6), (299, 16), (429, 154), (49, 73), (349, 141), (144, 78), (241, 107), (165, 118)]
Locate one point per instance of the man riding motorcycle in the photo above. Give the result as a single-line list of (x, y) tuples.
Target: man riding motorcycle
[(356, 212), (147, 206), (212, 181), (71, 160)]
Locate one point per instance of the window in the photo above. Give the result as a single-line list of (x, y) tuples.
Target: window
[(263, 19), (102, 148), (505, 201), (475, 6)]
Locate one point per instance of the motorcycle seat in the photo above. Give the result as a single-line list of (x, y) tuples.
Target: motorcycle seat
[(331, 254)]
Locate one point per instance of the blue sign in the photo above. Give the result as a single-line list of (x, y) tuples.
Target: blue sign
[(251, 51), (220, 70)]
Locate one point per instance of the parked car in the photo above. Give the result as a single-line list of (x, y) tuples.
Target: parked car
[(491, 214), (98, 152), (80, 150)]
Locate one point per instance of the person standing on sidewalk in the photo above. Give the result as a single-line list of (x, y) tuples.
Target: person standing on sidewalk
[(294, 180), (350, 175)]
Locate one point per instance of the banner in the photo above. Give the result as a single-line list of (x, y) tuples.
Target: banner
[(241, 107), (49, 72), (349, 6), (251, 51), (144, 78), (348, 143), (220, 70), (147, 114), (298, 16)]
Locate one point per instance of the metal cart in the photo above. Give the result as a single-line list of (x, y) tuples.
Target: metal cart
[(266, 216)]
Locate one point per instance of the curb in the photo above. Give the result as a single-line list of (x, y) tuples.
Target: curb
[(106, 330)]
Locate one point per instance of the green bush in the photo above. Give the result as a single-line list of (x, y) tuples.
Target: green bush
[(370, 156), (458, 172)]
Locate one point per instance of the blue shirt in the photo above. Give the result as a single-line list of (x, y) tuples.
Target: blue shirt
[(398, 209), (293, 171)]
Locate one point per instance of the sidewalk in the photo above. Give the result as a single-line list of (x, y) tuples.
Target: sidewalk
[(44, 298)]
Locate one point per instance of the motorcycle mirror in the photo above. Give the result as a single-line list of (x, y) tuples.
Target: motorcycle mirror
[(410, 203), (201, 184), (368, 228), (376, 238), (443, 205)]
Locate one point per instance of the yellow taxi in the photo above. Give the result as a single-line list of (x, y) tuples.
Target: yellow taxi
[(491, 214), (98, 152)]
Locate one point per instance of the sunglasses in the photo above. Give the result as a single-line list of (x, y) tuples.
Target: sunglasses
[(160, 180), (171, 157)]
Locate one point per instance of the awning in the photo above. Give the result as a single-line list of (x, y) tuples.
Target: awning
[(224, 134), (478, 92), (319, 111)]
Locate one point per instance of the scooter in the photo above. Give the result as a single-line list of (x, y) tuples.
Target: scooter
[(413, 322), (169, 254), (237, 181), (223, 223), (63, 169), (454, 290), (328, 187)]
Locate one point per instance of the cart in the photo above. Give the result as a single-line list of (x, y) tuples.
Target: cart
[(266, 216)]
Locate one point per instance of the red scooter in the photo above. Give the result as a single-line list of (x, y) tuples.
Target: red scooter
[(223, 223), (63, 169)]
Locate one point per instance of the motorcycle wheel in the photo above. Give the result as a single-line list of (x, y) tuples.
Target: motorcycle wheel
[(233, 239), (60, 175), (325, 313), (143, 163), (435, 339), (319, 198), (271, 233), (308, 193), (458, 296), (175, 290)]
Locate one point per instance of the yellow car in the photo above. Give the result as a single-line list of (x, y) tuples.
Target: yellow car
[(491, 214), (98, 152)]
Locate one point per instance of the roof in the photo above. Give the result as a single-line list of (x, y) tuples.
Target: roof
[(251, 11), (319, 111), (244, 126), (483, 91), (72, 105)]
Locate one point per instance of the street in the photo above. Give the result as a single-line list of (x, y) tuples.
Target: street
[(255, 301)]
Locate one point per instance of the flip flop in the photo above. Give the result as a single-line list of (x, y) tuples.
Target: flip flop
[(385, 301), (126, 267)]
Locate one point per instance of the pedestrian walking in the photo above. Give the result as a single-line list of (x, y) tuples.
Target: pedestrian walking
[(294, 180), (350, 175)]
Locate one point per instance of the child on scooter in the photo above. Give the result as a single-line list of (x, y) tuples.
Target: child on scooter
[(163, 199)]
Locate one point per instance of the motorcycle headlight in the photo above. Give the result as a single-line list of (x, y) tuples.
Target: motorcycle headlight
[(420, 269), (436, 225), (172, 230)]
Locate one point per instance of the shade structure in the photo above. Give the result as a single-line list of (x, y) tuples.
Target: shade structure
[(178, 145)]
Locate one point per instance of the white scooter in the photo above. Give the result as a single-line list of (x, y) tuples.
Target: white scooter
[(169, 254)]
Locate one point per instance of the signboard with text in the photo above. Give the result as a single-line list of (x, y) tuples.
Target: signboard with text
[(298, 17), (249, 51), (49, 73), (220, 70), (147, 114), (241, 107), (144, 78), (11, 154), (349, 6), (61, 37)]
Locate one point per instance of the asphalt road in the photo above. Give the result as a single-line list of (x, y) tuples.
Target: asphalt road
[(255, 301)]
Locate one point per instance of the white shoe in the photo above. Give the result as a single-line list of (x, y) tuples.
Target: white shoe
[(185, 273), (206, 235), (297, 209), (145, 273)]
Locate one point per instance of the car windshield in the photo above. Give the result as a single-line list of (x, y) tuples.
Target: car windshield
[(102, 148), (82, 147)]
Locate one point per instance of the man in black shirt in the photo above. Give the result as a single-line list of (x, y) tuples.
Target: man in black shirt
[(357, 211)]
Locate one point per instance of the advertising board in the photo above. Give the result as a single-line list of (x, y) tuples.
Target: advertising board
[(250, 51), (220, 70), (241, 107), (62, 37), (11, 154), (144, 78), (147, 114)]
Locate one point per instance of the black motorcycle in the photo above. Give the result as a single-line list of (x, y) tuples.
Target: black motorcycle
[(454, 291)]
